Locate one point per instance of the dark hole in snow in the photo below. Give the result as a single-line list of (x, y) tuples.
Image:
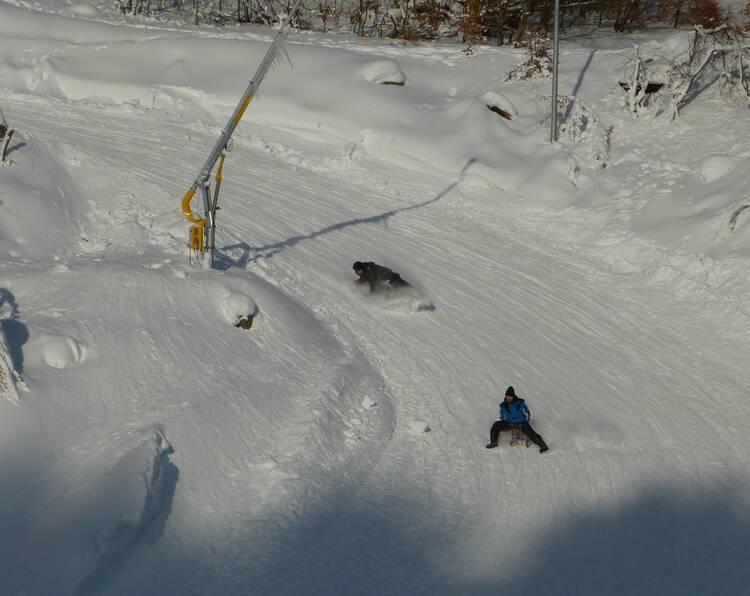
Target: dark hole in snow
[(651, 87), (501, 112), (3, 130), (399, 83)]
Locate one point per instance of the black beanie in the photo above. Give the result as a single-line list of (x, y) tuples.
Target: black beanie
[(510, 391), (358, 265)]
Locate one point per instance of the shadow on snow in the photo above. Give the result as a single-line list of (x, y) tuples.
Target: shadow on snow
[(124, 542), (668, 541), (224, 260), (16, 334)]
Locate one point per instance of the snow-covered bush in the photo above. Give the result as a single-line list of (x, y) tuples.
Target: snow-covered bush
[(582, 125), (538, 64), (635, 79), (718, 55)]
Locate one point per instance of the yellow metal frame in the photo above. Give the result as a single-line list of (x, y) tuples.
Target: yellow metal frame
[(195, 236), (186, 208)]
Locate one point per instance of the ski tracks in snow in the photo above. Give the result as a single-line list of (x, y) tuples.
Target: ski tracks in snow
[(326, 433), (336, 478)]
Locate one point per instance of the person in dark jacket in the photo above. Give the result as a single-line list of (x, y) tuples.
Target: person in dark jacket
[(515, 413), (377, 276)]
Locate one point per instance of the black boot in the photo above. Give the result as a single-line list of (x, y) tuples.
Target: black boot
[(543, 448), (491, 445)]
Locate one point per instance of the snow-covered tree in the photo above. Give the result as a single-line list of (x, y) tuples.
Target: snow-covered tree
[(722, 49), (538, 64), (635, 81)]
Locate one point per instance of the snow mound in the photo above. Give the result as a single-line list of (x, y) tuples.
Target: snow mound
[(498, 100), (237, 306), (714, 167), (83, 9), (419, 427), (368, 403), (58, 351), (383, 72), (41, 204)]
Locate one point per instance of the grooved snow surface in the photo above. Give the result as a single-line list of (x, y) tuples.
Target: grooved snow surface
[(337, 447)]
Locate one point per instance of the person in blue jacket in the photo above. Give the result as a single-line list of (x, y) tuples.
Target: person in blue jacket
[(515, 413)]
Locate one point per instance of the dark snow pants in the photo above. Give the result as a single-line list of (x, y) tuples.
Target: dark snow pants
[(395, 281), (524, 427)]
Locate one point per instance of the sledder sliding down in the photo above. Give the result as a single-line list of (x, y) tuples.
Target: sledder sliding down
[(514, 413), (396, 292)]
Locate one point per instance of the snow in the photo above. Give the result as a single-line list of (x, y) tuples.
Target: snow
[(714, 167), (148, 446), (383, 72)]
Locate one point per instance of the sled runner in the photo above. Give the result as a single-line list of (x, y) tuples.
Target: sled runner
[(518, 437)]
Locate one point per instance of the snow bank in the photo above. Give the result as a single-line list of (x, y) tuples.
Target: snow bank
[(41, 205), (76, 533), (432, 123), (83, 9)]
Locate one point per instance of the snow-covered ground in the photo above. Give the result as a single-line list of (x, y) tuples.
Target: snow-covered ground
[(147, 446)]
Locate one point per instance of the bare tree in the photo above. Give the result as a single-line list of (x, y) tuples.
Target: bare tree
[(723, 48), (706, 13), (627, 14), (635, 81)]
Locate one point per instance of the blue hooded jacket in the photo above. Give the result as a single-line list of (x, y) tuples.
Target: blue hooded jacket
[(514, 411)]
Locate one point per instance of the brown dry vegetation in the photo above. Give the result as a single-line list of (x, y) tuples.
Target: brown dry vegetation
[(467, 21)]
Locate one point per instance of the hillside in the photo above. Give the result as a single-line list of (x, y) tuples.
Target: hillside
[(337, 447)]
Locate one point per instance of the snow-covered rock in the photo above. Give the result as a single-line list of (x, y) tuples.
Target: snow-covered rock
[(383, 72), (499, 101), (236, 307)]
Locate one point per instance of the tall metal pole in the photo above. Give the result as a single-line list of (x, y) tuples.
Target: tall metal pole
[(555, 63), (221, 147)]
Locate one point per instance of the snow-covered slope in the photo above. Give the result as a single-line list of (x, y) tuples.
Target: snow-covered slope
[(337, 446)]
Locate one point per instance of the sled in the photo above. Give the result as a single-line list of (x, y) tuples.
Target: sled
[(518, 437)]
